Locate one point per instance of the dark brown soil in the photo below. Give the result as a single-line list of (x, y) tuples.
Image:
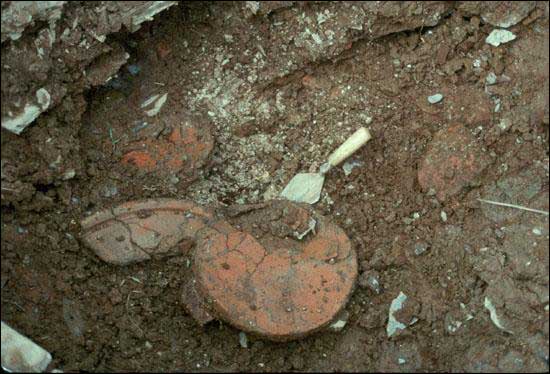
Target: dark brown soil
[(277, 103)]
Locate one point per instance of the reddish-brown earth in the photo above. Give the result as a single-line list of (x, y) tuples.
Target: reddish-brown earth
[(255, 94)]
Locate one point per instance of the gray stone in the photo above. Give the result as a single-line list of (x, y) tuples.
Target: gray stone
[(243, 340), (370, 279), (490, 79), (420, 248)]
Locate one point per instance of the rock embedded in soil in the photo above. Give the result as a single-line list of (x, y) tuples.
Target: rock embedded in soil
[(507, 13), (436, 98), (393, 324), (265, 282), (20, 354), (67, 42), (370, 279), (453, 160), (401, 314), (498, 37), (243, 340), (139, 230), (340, 322), (420, 248)]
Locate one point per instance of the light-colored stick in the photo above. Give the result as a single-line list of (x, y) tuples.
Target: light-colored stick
[(514, 206), (352, 144)]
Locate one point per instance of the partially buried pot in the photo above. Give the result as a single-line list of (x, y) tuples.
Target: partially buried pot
[(277, 270)]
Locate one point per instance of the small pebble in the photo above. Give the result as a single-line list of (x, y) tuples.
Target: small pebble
[(390, 217), (69, 174), (349, 165), (243, 340), (434, 99), (134, 69), (341, 322), (443, 216), (505, 124), (498, 37), (401, 361), (140, 125), (420, 248), (407, 220), (499, 233), (26, 260), (338, 325), (109, 191), (537, 231), (370, 279), (491, 79)]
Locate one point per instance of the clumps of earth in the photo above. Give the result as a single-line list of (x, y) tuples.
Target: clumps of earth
[(220, 105)]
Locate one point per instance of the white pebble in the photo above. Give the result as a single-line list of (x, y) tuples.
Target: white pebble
[(338, 325), (434, 99), (490, 79), (20, 354), (537, 231), (393, 324), (443, 216), (498, 37), (243, 340)]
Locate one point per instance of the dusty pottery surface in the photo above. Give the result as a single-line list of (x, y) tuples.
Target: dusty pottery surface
[(281, 88), (265, 281)]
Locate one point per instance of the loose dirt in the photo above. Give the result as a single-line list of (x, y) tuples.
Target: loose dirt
[(255, 94)]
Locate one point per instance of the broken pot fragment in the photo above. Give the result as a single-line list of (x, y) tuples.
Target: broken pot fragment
[(183, 152), (139, 230), (251, 271), (269, 283)]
